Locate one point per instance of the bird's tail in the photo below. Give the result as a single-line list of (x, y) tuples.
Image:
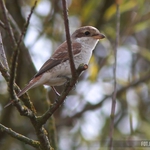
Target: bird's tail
[(31, 84), (26, 88)]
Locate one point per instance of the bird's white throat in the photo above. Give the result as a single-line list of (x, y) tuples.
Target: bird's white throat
[(88, 43)]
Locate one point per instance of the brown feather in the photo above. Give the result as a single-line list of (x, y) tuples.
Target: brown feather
[(59, 56)]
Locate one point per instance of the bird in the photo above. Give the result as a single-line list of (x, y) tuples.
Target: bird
[(56, 70)]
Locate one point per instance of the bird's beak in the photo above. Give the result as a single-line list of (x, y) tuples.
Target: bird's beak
[(99, 36)]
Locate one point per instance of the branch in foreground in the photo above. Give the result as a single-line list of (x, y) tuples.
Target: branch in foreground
[(20, 137), (5, 72), (3, 58), (42, 119), (66, 22)]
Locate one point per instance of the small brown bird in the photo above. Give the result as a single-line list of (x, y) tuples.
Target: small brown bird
[(56, 70)]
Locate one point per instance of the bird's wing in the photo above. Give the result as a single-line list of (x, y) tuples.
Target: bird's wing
[(59, 56)]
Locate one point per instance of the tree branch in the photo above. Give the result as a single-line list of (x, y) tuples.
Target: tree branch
[(66, 22), (20, 137), (7, 23), (2, 25), (26, 25), (3, 58), (113, 107)]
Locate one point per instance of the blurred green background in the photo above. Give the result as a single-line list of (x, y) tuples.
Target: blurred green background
[(83, 121)]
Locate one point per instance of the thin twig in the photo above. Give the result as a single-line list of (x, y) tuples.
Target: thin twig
[(3, 58), (2, 25), (17, 33), (66, 22), (20, 137), (5, 72), (115, 82), (26, 25), (7, 23)]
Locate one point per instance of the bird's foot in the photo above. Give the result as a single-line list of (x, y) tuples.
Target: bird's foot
[(55, 91)]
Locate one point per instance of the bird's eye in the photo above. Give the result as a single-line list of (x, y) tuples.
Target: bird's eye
[(87, 33)]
